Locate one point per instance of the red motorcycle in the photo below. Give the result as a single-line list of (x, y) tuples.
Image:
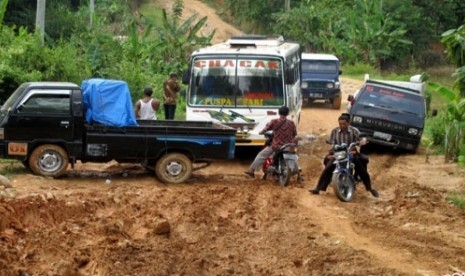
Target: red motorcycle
[(283, 163)]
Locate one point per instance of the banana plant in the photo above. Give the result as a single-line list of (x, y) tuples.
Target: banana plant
[(3, 4), (454, 41), (454, 121)]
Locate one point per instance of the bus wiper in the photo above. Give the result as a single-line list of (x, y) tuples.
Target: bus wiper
[(220, 115), (235, 115)]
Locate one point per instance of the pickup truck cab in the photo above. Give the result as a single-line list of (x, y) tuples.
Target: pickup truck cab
[(43, 124), (390, 113), (320, 78)]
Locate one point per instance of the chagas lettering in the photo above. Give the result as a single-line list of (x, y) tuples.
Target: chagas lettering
[(265, 64)]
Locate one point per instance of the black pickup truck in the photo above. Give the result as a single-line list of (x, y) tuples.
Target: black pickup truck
[(44, 125)]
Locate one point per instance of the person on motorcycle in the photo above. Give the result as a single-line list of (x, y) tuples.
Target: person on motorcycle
[(345, 133), (284, 131)]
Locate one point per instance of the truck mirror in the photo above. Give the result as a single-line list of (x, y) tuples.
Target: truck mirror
[(434, 113), (185, 77), (350, 98), (340, 72)]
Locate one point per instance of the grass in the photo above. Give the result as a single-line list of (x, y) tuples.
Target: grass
[(10, 167), (458, 199)]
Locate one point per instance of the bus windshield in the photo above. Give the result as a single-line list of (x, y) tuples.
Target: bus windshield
[(237, 82)]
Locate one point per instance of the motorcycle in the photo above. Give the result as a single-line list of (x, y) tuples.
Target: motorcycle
[(343, 180), (282, 164)]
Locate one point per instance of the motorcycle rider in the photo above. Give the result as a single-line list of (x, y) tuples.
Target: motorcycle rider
[(284, 131), (345, 133)]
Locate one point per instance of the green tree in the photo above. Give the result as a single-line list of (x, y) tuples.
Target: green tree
[(454, 121)]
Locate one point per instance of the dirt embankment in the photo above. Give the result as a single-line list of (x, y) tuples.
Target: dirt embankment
[(221, 223)]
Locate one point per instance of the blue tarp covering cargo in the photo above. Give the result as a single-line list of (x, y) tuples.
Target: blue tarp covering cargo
[(108, 102)]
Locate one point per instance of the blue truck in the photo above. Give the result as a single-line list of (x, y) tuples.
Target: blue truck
[(50, 125), (320, 78)]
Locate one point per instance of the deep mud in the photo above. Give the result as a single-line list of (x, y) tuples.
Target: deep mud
[(221, 223)]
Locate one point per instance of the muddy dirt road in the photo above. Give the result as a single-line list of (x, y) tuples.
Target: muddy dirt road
[(222, 223)]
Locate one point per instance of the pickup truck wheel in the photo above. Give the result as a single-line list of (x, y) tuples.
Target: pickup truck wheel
[(173, 168), (337, 103), (49, 160)]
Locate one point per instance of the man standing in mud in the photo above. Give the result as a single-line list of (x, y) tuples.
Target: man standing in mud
[(170, 89)]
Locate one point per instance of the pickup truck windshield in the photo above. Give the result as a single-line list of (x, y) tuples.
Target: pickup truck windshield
[(392, 99), (236, 82)]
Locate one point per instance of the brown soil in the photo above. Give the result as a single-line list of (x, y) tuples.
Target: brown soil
[(221, 223)]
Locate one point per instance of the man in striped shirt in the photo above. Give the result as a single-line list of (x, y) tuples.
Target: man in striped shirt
[(345, 133)]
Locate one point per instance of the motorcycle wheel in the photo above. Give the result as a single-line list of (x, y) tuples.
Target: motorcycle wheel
[(284, 172), (344, 187)]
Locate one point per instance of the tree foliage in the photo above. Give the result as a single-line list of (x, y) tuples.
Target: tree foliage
[(120, 44), (454, 118), (379, 32)]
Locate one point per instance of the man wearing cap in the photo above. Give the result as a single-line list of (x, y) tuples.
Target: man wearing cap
[(345, 133), (170, 89)]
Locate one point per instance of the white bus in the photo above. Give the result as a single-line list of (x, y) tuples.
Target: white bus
[(243, 82)]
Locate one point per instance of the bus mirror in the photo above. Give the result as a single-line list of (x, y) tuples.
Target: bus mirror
[(185, 77), (290, 76)]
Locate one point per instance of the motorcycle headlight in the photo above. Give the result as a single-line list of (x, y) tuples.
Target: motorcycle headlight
[(330, 85), (304, 85), (338, 155), (413, 131)]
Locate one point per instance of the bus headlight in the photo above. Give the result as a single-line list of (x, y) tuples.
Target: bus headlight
[(304, 85), (413, 131), (330, 85)]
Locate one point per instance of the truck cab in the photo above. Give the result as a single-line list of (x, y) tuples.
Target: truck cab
[(320, 78), (35, 111)]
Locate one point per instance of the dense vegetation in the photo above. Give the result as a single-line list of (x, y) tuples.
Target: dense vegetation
[(119, 44)]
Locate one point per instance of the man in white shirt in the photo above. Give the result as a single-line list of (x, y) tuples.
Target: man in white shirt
[(146, 108)]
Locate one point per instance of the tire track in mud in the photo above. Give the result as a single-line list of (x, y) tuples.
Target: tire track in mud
[(336, 222)]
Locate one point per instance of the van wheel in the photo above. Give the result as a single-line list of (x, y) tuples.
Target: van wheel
[(49, 160), (173, 168), (337, 103)]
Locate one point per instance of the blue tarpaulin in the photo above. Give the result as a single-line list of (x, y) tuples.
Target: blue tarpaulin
[(108, 102)]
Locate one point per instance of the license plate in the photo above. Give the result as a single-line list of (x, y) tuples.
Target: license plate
[(316, 95), (382, 135)]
